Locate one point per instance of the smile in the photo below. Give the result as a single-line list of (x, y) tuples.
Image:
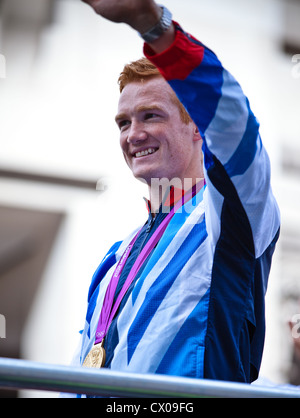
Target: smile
[(145, 152)]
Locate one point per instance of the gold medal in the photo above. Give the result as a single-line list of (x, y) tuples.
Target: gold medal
[(96, 357)]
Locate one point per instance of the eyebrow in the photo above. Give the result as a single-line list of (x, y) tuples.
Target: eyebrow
[(144, 108), (120, 116)]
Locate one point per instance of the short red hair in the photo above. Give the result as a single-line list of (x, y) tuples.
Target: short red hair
[(143, 70)]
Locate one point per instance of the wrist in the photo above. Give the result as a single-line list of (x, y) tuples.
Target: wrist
[(165, 41), (162, 26)]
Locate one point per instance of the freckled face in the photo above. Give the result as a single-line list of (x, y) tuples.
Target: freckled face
[(156, 143)]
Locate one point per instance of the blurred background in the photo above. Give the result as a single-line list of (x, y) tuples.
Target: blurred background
[(66, 194)]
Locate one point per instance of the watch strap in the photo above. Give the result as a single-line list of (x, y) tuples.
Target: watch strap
[(160, 28)]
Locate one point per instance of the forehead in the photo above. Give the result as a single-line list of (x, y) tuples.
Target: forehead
[(155, 91)]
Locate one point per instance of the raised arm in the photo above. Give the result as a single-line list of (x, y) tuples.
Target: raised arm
[(236, 163)]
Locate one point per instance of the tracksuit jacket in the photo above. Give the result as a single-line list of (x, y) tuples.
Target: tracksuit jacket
[(196, 308)]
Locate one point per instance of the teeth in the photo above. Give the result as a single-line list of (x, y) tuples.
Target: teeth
[(146, 152)]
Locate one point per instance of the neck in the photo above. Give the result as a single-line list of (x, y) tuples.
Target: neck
[(160, 187)]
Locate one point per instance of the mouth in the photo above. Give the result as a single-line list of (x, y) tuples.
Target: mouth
[(145, 152)]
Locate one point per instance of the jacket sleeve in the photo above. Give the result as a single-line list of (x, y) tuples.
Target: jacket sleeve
[(232, 145)]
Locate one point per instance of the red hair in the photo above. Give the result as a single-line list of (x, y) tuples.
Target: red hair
[(143, 70)]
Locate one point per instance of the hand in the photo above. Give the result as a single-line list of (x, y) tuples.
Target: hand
[(141, 15)]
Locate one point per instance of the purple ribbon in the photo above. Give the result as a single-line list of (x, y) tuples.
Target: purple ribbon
[(108, 310)]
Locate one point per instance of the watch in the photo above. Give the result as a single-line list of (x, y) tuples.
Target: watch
[(160, 28)]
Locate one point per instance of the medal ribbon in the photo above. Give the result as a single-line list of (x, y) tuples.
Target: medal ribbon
[(108, 310)]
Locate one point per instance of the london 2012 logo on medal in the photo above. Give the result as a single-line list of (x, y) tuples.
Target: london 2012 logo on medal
[(96, 357)]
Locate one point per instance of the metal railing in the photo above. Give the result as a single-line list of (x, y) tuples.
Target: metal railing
[(21, 374)]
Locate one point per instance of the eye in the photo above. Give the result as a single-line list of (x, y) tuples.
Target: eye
[(123, 123), (150, 116)]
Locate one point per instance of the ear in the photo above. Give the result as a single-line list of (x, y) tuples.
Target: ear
[(197, 136)]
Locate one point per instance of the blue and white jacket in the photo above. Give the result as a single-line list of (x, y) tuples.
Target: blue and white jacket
[(197, 308)]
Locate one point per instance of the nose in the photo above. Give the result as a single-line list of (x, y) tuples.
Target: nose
[(136, 133)]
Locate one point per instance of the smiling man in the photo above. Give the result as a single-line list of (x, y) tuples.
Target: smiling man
[(184, 294)]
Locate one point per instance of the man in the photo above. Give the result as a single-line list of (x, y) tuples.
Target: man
[(184, 294)]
